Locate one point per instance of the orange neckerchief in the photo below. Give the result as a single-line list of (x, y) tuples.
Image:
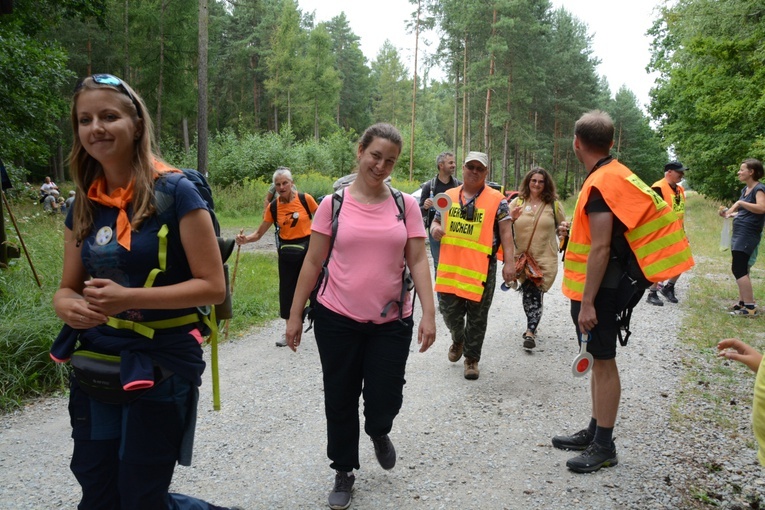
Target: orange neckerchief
[(121, 198)]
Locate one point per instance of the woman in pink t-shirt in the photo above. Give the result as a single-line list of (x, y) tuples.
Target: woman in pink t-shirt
[(363, 350)]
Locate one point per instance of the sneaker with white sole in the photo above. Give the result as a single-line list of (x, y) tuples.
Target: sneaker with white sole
[(342, 491), (282, 342)]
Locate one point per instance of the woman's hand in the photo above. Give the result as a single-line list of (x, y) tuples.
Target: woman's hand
[(294, 332), (106, 297), (426, 332), (241, 239), (516, 212), (735, 349), (75, 311)]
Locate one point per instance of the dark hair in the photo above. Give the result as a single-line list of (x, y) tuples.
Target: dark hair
[(549, 194), (381, 130), (755, 165), (595, 130), (441, 157)]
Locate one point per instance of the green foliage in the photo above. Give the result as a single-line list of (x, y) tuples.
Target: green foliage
[(31, 73), (708, 100), (29, 323)]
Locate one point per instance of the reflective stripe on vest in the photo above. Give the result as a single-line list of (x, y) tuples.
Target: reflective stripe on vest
[(466, 247), (668, 194), (654, 232)]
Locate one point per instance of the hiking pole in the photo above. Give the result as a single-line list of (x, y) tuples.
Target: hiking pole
[(233, 281), (21, 239)]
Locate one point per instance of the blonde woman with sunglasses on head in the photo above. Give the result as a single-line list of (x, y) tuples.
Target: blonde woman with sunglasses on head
[(133, 212)]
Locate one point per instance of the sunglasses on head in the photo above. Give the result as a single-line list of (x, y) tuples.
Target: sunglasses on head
[(113, 81)]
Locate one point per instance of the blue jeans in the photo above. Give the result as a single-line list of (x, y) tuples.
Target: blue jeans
[(435, 248), (358, 358)]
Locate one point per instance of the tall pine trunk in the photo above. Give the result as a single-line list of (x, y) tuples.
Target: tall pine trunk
[(202, 97)]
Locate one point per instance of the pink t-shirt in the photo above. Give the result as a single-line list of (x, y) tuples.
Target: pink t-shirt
[(367, 259)]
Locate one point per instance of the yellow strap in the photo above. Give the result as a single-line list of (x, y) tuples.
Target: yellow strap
[(147, 328), (161, 256)]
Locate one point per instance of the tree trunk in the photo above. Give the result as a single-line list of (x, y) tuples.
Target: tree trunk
[(464, 105), (414, 91), (487, 109), (126, 68), (158, 123), (185, 135), (455, 127), (202, 98)]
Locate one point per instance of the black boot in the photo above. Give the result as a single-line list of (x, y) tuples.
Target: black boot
[(669, 292), (653, 298)]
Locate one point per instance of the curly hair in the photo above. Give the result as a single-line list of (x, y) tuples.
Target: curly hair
[(549, 193)]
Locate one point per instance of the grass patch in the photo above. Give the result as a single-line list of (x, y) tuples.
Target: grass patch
[(30, 325)]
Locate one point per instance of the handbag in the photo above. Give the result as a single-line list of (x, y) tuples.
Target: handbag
[(525, 264)]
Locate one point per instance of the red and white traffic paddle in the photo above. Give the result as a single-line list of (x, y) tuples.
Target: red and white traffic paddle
[(442, 202), (583, 362)]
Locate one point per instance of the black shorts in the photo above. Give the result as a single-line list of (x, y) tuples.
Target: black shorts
[(605, 333)]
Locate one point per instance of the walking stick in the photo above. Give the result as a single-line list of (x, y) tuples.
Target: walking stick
[(233, 281), (18, 233)]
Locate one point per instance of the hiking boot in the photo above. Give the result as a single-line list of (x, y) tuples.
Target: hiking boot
[(471, 369), (594, 458), (385, 452), (746, 312), (577, 441), (528, 341), (669, 292), (653, 298), (282, 342), (455, 352), (340, 497)]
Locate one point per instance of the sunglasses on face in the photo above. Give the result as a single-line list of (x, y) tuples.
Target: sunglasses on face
[(113, 81), (475, 168), (537, 181)]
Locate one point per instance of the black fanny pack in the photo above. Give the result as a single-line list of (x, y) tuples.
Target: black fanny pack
[(99, 375)]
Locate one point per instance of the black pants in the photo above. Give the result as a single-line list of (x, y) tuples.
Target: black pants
[(360, 358), (291, 259)]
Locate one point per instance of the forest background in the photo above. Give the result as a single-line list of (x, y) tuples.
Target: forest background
[(285, 90)]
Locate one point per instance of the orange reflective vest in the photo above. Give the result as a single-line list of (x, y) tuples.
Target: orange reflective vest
[(676, 200), (655, 233), (467, 246)]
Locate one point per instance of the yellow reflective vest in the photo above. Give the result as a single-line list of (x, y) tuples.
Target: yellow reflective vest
[(676, 200), (654, 232), (467, 246)]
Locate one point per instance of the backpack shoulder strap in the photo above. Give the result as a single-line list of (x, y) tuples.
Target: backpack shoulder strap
[(399, 199), (301, 197), (273, 206)]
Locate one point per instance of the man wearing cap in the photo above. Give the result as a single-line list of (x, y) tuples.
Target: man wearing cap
[(670, 190), (444, 180), (470, 233)]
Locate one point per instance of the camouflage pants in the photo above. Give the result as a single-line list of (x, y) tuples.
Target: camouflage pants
[(467, 319)]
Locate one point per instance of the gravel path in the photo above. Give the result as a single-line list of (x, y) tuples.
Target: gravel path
[(461, 444)]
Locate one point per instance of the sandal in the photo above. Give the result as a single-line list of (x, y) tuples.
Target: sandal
[(529, 342)]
